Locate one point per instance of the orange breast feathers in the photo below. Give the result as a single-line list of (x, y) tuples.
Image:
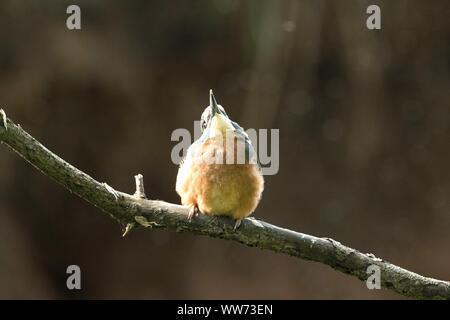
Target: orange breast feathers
[(220, 189)]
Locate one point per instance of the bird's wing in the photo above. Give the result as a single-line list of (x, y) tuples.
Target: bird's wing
[(249, 150)]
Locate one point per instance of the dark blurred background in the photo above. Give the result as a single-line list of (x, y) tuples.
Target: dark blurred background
[(364, 119)]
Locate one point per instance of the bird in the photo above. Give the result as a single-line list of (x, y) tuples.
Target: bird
[(220, 174)]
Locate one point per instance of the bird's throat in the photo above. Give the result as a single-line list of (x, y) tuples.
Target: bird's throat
[(220, 125)]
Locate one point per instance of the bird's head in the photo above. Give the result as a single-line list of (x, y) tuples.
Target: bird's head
[(214, 120)]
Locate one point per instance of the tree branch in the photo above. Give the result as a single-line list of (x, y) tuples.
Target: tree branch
[(131, 210)]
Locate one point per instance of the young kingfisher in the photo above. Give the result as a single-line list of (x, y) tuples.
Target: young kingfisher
[(220, 174)]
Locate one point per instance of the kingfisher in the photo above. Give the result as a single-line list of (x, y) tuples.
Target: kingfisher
[(220, 174)]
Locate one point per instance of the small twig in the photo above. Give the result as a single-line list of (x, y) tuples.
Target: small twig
[(128, 228), (130, 210), (5, 122), (140, 192)]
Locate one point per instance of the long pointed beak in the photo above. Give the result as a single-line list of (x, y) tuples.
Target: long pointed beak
[(213, 103)]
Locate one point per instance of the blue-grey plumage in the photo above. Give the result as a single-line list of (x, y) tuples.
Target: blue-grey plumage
[(220, 188)]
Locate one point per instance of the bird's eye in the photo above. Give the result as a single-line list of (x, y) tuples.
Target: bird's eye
[(203, 125)]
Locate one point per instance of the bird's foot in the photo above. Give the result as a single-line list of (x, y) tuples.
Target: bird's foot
[(237, 224), (193, 212)]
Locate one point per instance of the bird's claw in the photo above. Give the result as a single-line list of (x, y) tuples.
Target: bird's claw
[(193, 212), (237, 224), (111, 190)]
